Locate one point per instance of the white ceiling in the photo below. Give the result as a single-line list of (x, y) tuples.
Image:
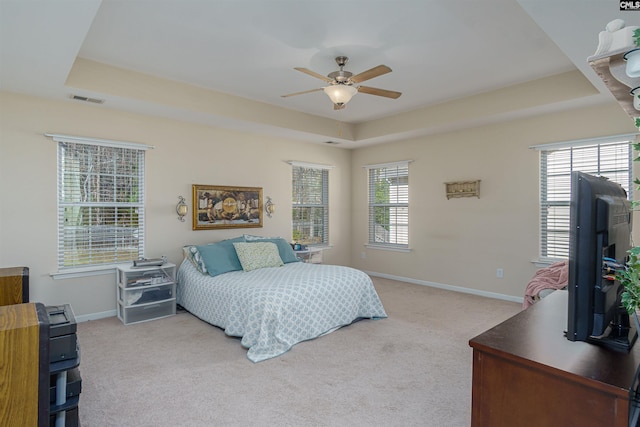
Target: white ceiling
[(439, 50)]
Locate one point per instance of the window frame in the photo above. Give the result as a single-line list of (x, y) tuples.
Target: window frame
[(312, 207), (554, 248), (76, 267), (393, 170)]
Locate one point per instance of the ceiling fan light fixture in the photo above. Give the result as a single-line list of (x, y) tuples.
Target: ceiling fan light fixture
[(340, 94)]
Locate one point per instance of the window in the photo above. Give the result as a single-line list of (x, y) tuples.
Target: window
[(310, 204), (610, 158), (100, 202), (389, 205)]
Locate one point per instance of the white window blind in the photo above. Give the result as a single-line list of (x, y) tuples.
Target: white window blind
[(310, 204), (100, 202), (610, 159), (389, 205)]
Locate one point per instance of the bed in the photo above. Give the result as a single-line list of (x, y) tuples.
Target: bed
[(273, 307)]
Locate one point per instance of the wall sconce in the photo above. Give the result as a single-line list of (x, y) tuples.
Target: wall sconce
[(181, 208), (269, 207)]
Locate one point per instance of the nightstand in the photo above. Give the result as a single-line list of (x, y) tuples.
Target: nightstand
[(310, 255), (145, 293)]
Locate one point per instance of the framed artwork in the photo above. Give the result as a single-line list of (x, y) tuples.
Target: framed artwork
[(216, 206)]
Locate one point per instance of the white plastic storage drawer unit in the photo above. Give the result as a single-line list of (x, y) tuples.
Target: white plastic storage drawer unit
[(145, 293)]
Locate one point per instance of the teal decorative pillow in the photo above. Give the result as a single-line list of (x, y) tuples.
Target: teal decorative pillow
[(220, 257), (257, 255), (284, 248)]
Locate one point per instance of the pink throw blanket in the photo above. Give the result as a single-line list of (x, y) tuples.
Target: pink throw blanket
[(556, 276)]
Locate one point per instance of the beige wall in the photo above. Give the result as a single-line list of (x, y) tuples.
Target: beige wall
[(457, 242), (185, 154), (461, 242)]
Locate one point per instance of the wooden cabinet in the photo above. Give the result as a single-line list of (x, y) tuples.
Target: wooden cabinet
[(526, 373)]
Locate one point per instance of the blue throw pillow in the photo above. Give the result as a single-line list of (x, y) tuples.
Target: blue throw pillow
[(234, 240), (285, 250), (220, 257)]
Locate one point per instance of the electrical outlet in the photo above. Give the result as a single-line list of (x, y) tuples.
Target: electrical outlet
[(363, 255), (499, 273)]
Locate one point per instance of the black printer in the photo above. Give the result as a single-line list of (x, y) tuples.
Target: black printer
[(65, 383)]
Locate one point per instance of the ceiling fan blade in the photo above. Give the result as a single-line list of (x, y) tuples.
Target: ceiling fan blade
[(379, 92), (339, 106), (301, 93), (369, 74), (314, 74)]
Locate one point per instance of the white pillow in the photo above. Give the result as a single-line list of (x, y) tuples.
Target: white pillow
[(257, 255), (192, 254), (253, 238)]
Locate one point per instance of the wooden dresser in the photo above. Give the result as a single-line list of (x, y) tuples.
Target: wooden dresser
[(526, 373), (14, 285), (24, 365)]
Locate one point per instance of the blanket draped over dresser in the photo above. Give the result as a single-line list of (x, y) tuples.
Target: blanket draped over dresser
[(556, 276)]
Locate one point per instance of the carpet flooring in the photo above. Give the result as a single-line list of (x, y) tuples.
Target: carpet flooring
[(411, 369)]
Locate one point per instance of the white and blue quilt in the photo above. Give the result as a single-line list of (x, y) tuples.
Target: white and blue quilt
[(274, 308)]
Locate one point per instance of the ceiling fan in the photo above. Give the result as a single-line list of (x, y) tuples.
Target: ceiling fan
[(342, 84)]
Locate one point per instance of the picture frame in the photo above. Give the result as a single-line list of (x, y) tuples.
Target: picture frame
[(218, 207)]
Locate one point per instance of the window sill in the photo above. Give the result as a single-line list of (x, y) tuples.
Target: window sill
[(84, 272), (545, 262), (387, 248)]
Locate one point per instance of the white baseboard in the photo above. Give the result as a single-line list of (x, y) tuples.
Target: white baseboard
[(448, 287), (112, 313), (95, 316)]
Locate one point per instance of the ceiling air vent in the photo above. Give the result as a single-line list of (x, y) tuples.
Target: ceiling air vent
[(87, 99)]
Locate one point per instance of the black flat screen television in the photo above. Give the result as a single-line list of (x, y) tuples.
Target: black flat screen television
[(600, 238)]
